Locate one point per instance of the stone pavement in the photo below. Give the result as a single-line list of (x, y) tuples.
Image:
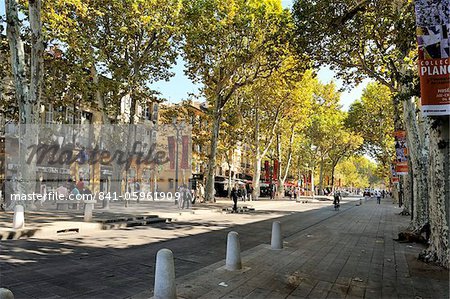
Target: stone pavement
[(324, 250), (351, 255), (120, 263), (47, 221)]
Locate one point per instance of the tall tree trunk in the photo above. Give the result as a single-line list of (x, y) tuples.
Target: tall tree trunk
[(260, 153), (17, 57), (230, 177), (321, 176), (256, 177), (28, 96), (418, 151), (405, 193), (284, 173), (209, 190), (37, 59), (439, 191), (280, 188), (258, 157), (332, 177)]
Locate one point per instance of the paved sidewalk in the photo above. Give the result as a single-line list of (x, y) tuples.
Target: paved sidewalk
[(47, 221), (324, 249), (351, 255)]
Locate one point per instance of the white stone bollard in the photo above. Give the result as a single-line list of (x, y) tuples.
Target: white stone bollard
[(233, 259), (277, 239), (19, 217), (105, 204), (88, 208), (165, 276), (6, 294)]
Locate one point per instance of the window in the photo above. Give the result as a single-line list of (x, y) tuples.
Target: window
[(49, 113), (147, 112), (86, 118)]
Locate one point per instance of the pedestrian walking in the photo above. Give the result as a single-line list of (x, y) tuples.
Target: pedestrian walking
[(272, 191), (239, 193), (201, 192), (366, 195), (378, 194), (179, 201), (75, 192), (234, 197), (137, 190), (186, 196), (250, 193), (337, 200), (247, 191)]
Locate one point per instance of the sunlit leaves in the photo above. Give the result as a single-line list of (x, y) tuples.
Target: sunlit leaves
[(373, 118), (358, 38)]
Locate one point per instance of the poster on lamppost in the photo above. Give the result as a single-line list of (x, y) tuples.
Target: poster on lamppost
[(433, 28), (275, 170), (401, 153), (395, 179)]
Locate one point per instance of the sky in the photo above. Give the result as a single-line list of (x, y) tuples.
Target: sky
[(179, 87)]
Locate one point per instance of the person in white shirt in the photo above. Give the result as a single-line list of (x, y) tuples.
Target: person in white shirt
[(62, 191)]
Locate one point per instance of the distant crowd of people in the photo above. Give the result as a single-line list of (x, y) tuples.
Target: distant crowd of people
[(66, 190), (378, 194)]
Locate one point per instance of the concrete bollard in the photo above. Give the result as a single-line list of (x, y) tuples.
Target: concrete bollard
[(105, 204), (165, 276), (88, 208), (277, 240), (6, 294), (233, 259), (19, 217)]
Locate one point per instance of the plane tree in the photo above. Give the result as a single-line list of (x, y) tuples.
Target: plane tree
[(228, 45)]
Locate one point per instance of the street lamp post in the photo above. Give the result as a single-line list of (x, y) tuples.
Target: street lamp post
[(176, 161), (177, 129), (313, 148)]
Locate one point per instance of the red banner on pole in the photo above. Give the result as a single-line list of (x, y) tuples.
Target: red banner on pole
[(433, 28), (275, 169), (401, 153), (401, 168), (185, 153), (171, 146)]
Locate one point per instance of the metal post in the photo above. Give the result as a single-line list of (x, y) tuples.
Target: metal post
[(176, 160)]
